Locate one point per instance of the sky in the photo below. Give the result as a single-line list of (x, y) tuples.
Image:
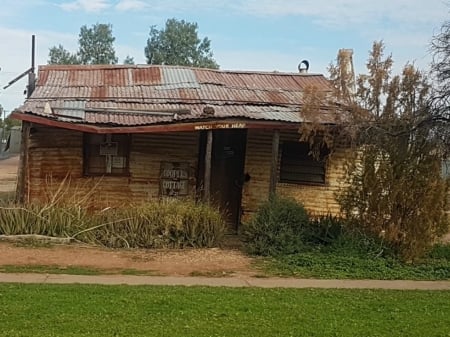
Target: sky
[(265, 35)]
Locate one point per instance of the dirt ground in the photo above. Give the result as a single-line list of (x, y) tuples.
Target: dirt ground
[(193, 262)]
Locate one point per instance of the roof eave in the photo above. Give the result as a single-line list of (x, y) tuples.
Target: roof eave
[(226, 123)]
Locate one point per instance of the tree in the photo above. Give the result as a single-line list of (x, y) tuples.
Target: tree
[(440, 47), (394, 188), (178, 44), (96, 46), (128, 60), (59, 55)]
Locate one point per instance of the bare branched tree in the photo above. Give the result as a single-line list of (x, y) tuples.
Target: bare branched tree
[(394, 185)]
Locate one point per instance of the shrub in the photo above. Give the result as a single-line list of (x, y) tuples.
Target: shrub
[(278, 227), (155, 224), (324, 230)]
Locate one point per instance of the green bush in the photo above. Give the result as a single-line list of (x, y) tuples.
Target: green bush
[(278, 227), (324, 230), (440, 251)]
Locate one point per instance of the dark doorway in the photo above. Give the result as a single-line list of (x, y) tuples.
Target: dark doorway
[(227, 171)]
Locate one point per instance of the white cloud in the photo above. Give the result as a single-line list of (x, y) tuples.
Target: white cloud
[(345, 12), (86, 5), (131, 5)]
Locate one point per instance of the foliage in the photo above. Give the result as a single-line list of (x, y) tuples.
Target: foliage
[(398, 181), (59, 55), (355, 255), (167, 224), (278, 227), (7, 122), (93, 310), (178, 44), (155, 224), (394, 184), (95, 46), (335, 265), (324, 230), (128, 60), (440, 47)]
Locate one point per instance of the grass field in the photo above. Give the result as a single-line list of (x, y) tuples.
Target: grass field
[(81, 310)]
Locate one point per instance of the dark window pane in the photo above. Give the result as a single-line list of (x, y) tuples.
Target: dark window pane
[(299, 166)]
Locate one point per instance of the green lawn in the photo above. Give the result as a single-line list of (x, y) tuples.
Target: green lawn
[(82, 310)]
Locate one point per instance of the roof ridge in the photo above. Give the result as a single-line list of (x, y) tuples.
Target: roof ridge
[(87, 67)]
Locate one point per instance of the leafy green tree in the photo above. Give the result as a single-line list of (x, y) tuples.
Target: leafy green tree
[(95, 46), (59, 55), (178, 44), (128, 60)]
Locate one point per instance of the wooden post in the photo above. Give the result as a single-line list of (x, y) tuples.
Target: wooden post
[(274, 164), (22, 172), (208, 156)]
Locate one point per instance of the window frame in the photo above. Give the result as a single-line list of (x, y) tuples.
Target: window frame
[(298, 154), (124, 145)]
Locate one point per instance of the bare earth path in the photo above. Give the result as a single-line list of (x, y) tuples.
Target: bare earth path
[(212, 262)]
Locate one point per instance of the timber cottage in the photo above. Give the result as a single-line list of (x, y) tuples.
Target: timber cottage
[(141, 132)]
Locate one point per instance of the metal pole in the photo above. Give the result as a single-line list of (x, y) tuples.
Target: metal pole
[(31, 74)]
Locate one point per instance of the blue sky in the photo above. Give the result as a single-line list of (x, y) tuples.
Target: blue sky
[(263, 35)]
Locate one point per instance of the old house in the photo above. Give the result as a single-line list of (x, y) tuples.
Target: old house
[(141, 132)]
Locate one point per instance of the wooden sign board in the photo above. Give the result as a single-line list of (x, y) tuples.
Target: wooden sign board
[(220, 126), (174, 179)]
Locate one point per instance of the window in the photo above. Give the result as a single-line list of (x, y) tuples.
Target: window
[(106, 154), (299, 166)]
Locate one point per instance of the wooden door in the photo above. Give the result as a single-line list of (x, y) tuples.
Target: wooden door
[(227, 171)]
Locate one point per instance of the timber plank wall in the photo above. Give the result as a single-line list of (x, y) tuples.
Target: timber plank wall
[(318, 199), (57, 153)]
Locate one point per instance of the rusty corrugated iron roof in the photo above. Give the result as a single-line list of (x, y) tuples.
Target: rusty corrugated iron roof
[(148, 94)]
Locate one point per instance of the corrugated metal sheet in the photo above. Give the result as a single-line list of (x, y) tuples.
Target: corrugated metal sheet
[(178, 78), (85, 93), (74, 109)]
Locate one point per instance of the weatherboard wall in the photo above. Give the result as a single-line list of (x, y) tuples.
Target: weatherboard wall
[(56, 164), (318, 199)]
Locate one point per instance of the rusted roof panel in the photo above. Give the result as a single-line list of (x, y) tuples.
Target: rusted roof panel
[(133, 95), (146, 75)]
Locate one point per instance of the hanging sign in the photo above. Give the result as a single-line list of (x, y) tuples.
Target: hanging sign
[(174, 179)]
